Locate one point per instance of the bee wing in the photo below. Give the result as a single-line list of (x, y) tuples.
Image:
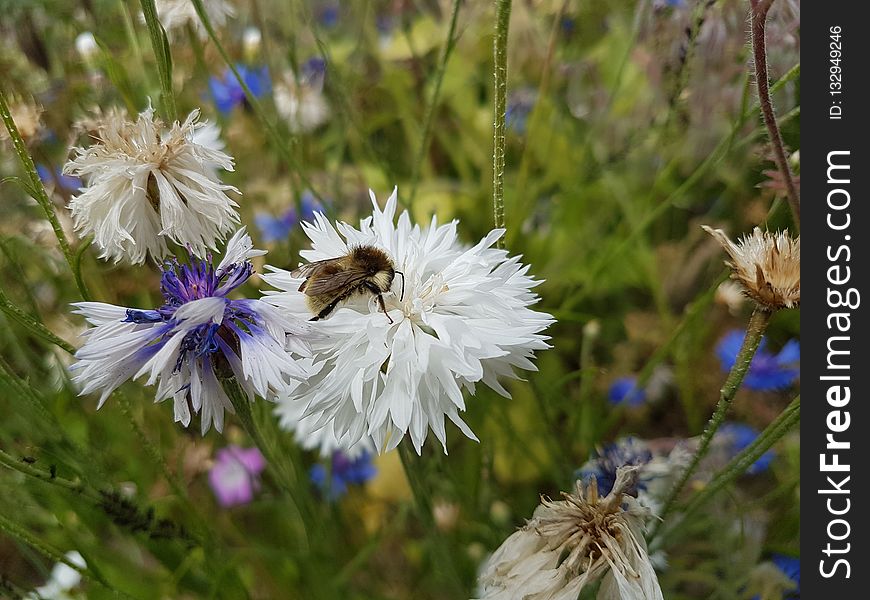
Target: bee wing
[(334, 282), (305, 271)]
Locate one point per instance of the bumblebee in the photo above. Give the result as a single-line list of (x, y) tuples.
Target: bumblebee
[(363, 270)]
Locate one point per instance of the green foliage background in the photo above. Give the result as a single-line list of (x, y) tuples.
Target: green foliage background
[(644, 126)]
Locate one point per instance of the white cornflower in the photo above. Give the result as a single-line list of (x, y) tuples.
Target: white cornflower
[(456, 316), (145, 184), (571, 544), (767, 265), (311, 436), (196, 338), (302, 104), (176, 14)]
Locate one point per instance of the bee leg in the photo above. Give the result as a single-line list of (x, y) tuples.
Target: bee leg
[(373, 289), (384, 307), (325, 312)]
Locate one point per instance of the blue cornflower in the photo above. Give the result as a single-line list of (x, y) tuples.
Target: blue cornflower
[(328, 15), (736, 437), (791, 568), (227, 93), (345, 471), (273, 229), (767, 371), (626, 452), (313, 71), (625, 391), (65, 182), (198, 336), (519, 106)]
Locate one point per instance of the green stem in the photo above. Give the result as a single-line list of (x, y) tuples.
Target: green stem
[(286, 475), (77, 487), (32, 324), (754, 331), (747, 457), (160, 45), (433, 102), (499, 51), (37, 190), (758, 20), (413, 467), (17, 532), (719, 152), (150, 449)]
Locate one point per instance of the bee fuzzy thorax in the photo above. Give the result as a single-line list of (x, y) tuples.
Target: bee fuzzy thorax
[(364, 270)]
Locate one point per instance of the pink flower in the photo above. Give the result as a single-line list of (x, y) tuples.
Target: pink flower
[(235, 475)]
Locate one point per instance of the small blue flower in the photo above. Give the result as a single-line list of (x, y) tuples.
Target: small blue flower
[(65, 182), (314, 72), (625, 391), (227, 93), (767, 371), (345, 471), (519, 106), (791, 568), (273, 229), (628, 451), (328, 15), (737, 437)]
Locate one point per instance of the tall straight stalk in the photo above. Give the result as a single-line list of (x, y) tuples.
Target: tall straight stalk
[(758, 21), (754, 331), (37, 191), (499, 51)]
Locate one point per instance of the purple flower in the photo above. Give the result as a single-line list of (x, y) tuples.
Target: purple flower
[(235, 476), (227, 93), (625, 391), (197, 337), (736, 437), (767, 371), (273, 229), (345, 471)]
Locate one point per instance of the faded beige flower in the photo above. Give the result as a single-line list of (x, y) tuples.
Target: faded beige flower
[(572, 543), (146, 183), (767, 265), (27, 118), (175, 15)]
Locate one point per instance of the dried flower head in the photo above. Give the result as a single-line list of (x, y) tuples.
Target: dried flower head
[(27, 117), (145, 183), (767, 265), (572, 543)]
